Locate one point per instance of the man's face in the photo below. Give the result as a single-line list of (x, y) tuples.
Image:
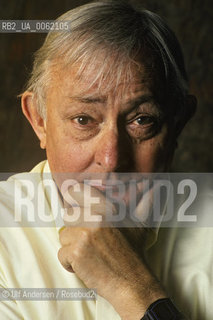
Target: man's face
[(91, 129)]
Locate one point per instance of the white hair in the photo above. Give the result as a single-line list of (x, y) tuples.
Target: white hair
[(124, 36)]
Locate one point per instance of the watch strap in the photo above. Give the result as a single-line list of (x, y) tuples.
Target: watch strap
[(162, 309)]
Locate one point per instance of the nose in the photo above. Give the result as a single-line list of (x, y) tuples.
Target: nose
[(113, 152)]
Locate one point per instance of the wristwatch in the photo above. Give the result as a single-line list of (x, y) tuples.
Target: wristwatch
[(162, 309)]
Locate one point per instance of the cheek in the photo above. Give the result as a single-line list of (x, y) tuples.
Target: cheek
[(152, 155), (65, 155)]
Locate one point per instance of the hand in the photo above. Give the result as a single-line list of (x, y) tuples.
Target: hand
[(103, 259)]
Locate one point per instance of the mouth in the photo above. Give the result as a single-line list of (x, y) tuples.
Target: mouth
[(119, 190), (104, 187)]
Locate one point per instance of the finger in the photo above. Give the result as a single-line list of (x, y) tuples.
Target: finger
[(65, 258), (69, 235), (77, 235)]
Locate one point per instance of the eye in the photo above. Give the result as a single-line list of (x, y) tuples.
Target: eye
[(143, 126), (83, 120), (143, 120)]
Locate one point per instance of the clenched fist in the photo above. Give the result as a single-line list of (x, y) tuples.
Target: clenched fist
[(104, 258)]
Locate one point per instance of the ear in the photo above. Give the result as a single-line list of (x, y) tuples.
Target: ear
[(30, 111)]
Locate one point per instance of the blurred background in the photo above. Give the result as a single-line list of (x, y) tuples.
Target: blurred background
[(192, 22)]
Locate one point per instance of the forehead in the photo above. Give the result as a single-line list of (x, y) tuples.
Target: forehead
[(98, 78)]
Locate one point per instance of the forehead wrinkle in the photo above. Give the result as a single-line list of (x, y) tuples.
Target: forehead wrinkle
[(126, 97), (89, 99), (86, 93), (122, 93), (136, 97)]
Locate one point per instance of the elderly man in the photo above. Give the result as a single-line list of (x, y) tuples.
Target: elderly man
[(107, 96)]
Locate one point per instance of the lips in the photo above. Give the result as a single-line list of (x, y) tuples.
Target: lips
[(119, 191), (104, 186)]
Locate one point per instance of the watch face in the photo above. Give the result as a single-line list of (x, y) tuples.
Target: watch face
[(162, 309)]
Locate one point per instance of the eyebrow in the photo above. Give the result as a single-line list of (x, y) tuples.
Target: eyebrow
[(142, 99), (89, 99), (137, 102), (102, 99), (134, 103)]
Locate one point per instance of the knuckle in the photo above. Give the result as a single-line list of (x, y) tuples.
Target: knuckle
[(64, 259), (85, 236), (88, 236), (77, 253), (65, 236)]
